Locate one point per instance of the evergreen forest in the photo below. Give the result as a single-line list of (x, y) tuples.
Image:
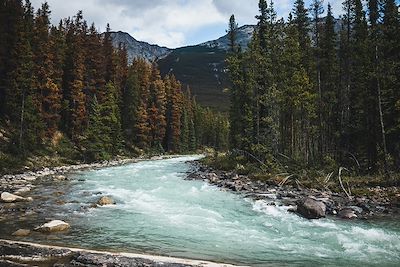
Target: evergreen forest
[(67, 92), (318, 91)]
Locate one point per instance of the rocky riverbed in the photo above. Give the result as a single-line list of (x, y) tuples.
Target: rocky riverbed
[(22, 183), (28, 196), (19, 254), (309, 203)]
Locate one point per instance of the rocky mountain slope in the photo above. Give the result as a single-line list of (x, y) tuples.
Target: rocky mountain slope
[(203, 69), (138, 49), (244, 35)]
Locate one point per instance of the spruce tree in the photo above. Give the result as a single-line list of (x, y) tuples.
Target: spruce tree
[(302, 22), (48, 92), (22, 102), (233, 61), (329, 67), (157, 107), (110, 119), (130, 103), (173, 114), (73, 82), (390, 77), (94, 142)]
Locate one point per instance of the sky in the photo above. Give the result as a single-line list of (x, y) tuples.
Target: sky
[(170, 23)]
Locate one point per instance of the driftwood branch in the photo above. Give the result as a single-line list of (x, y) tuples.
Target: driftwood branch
[(327, 178), (347, 192), (286, 179)]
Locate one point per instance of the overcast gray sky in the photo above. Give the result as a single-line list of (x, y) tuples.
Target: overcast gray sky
[(171, 23)]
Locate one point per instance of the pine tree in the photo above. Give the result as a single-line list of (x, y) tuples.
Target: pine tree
[(111, 120), (57, 50), (12, 26), (263, 55), (130, 103), (302, 22), (94, 76), (47, 91), (142, 129), (73, 81), (363, 112), (329, 80), (94, 143), (21, 105), (184, 133), (390, 77), (233, 61), (317, 10), (173, 113), (121, 68), (110, 68), (157, 108)]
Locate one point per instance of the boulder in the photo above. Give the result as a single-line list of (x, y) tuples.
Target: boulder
[(22, 190), (347, 214), (53, 226), (105, 201), (9, 198), (60, 178), (310, 208), (22, 232)]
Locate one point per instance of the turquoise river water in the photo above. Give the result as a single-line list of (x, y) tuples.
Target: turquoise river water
[(158, 212)]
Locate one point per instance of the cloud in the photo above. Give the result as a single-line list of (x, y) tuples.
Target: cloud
[(244, 10), (171, 23), (165, 22)]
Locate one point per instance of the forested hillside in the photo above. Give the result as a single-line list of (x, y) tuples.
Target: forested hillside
[(306, 96), (65, 91)]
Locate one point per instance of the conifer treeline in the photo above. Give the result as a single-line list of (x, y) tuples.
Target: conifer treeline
[(308, 93), (69, 80)]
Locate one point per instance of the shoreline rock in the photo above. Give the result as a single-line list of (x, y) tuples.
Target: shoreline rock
[(22, 232), (11, 198), (311, 208), (287, 195), (53, 226), (42, 255)]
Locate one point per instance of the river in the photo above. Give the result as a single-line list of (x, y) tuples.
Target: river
[(158, 212)]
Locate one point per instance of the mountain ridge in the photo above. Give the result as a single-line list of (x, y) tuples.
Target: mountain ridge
[(139, 49), (201, 67)]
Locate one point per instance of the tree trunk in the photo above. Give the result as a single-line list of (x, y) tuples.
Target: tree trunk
[(381, 119), (21, 125)]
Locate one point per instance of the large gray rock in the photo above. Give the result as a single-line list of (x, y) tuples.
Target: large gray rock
[(53, 226), (10, 198), (310, 208)]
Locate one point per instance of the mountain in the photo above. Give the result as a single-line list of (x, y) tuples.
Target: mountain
[(244, 35), (201, 67), (138, 49)]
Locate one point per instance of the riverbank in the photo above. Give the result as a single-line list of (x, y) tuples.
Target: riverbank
[(158, 213), (307, 202), (21, 183), (18, 254)]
